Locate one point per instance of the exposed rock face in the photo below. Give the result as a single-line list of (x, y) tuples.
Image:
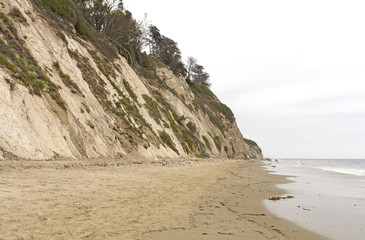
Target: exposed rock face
[(61, 97)]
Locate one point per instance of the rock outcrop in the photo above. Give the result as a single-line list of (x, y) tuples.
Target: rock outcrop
[(61, 97)]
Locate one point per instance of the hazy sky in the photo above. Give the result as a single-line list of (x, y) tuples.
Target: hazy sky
[(293, 72)]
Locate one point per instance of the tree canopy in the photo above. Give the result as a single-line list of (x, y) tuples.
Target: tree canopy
[(129, 36), (196, 73), (166, 50)]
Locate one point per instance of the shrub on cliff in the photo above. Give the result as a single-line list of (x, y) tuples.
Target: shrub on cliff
[(165, 138), (250, 142), (217, 142), (64, 8), (224, 109)]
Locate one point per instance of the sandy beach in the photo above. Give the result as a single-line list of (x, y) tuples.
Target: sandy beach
[(192, 200)]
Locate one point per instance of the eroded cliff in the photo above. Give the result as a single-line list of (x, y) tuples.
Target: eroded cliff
[(61, 97)]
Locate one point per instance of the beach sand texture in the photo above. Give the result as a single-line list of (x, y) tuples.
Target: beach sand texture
[(195, 200)]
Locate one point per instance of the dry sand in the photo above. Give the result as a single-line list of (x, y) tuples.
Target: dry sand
[(206, 200)]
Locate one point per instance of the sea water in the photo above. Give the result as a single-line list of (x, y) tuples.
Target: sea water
[(329, 195), (346, 166)]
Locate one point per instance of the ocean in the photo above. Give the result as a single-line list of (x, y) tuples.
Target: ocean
[(346, 166), (329, 195)]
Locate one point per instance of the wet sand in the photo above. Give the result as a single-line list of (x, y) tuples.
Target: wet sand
[(194, 200), (329, 203)]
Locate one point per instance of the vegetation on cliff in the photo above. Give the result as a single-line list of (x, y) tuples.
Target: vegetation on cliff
[(97, 19), (17, 58), (150, 109)]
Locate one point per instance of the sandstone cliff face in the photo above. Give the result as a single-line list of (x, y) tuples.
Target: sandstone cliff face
[(61, 97)]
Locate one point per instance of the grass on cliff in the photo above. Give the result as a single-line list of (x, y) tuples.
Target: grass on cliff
[(183, 134), (72, 19), (202, 89), (191, 126), (152, 106), (217, 112), (207, 143), (64, 8), (15, 13), (224, 109), (4, 61), (82, 28), (250, 142), (146, 66), (124, 109), (19, 60), (226, 149), (129, 89), (66, 79), (218, 143), (8, 22), (165, 138)]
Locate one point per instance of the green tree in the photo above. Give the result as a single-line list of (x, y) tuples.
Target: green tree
[(200, 76), (110, 18), (166, 50), (196, 73)]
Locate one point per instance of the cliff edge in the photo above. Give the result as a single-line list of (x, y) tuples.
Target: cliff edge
[(62, 97)]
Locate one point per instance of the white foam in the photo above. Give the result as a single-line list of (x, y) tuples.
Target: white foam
[(352, 171)]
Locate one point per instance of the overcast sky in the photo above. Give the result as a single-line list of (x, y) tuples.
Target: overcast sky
[(293, 72)]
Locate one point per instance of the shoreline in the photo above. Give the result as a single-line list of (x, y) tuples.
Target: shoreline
[(218, 199), (330, 203)]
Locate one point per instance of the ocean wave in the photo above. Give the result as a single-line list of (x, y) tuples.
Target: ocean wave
[(351, 171)]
